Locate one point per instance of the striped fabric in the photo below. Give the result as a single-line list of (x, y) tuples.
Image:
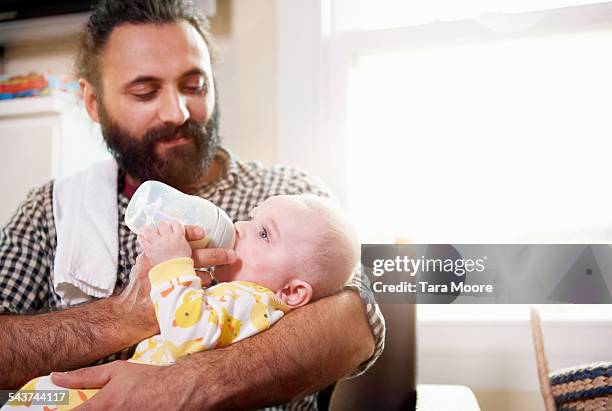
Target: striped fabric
[(585, 388), (28, 242)]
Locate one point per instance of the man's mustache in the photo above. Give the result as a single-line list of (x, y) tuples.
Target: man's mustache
[(190, 130)]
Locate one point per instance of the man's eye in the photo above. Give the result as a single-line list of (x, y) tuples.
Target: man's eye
[(195, 89), (195, 86), (263, 234), (145, 96)]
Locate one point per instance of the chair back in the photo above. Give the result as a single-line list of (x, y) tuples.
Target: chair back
[(538, 342)]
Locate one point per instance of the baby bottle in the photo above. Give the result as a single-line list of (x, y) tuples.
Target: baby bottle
[(154, 202)]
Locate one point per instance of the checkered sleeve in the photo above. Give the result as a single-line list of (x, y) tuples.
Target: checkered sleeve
[(302, 183), (24, 264)]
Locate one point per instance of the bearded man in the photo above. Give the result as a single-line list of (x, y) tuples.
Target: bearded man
[(145, 72)]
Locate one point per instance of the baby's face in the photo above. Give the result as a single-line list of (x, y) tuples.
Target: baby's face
[(267, 244)]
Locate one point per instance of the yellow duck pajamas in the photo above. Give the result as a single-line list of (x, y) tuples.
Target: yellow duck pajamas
[(190, 319)]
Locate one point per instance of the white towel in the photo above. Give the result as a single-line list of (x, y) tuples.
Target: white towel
[(86, 221)]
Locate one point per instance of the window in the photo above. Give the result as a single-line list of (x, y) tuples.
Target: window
[(483, 140), (434, 126), (455, 124)]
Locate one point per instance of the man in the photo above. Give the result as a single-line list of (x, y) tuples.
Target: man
[(146, 78)]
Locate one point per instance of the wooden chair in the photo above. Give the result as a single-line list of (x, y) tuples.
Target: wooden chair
[(538, 341), (585, 388)]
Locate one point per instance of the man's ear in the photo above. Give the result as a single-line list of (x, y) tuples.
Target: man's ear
[(295, 293), (90, 100)]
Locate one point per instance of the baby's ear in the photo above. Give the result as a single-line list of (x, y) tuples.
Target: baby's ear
[(295, 293)]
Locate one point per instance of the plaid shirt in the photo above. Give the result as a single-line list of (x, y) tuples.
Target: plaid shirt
[(28, 243)]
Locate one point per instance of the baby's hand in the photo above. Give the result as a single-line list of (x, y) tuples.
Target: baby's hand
[(165, 242)]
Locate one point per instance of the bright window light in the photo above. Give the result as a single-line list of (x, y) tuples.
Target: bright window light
[(483, 142)]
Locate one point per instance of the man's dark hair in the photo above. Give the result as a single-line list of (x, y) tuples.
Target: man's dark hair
[(109, 14)]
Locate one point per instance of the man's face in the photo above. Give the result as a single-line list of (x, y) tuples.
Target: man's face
[(157, 106)]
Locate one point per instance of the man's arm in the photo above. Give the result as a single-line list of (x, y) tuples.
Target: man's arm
[(35, 345), (309, 349), (75, 337)]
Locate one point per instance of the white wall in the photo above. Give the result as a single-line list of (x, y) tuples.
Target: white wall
[(496, 358), (246, 76)]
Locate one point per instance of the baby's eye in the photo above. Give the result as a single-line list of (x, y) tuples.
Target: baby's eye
[(263, 234)]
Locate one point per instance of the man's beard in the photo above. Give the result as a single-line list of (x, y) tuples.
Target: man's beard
[(181, 166)]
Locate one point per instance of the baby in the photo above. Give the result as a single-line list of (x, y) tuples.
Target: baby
[(293, 250)]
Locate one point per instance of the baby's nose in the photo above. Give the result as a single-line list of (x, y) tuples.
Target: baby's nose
[(239, 229)]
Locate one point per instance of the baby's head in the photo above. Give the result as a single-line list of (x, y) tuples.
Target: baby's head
[(301, 247)]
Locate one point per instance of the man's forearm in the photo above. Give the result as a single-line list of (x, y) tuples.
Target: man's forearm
[(35, 345), (307, 350)]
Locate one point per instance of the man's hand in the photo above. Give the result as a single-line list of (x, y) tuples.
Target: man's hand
[(208, 257), (134, 298), (127, 386)]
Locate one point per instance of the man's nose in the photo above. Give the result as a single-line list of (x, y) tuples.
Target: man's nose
[(173, 108)]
